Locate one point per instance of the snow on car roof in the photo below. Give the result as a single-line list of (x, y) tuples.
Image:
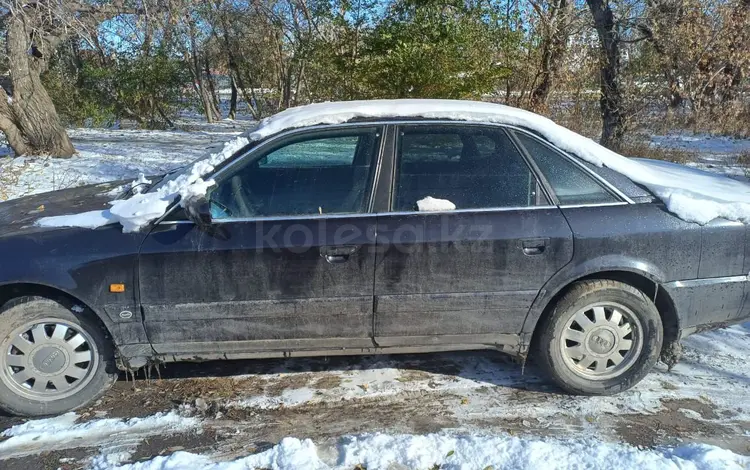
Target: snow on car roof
[(692, 195)]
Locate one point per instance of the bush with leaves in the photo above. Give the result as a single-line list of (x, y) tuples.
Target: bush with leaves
[(428, 49), (145, 89)]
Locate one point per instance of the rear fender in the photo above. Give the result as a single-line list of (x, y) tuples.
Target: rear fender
[(573, 272)]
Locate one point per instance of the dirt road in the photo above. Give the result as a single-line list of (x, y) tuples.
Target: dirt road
[(247, 406)]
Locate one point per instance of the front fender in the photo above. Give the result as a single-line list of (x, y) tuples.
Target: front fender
[(80, 264)]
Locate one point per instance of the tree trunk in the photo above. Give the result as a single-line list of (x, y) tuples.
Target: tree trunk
[(238, 83), (233, 100), (611, 103), (192, 55), (28, 116), (554, 46), (212, 88)]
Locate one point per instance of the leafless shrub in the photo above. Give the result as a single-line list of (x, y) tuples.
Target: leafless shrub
[(642, 148)]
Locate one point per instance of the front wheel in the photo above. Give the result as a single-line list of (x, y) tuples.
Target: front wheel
[(52, 360), (602, 337)]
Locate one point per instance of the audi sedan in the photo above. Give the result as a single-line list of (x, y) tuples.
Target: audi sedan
[(385, 232)]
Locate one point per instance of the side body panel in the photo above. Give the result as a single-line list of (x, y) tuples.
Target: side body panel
[(638, 238), (253, 285), (82, 263), (463, 276), (717, 296)]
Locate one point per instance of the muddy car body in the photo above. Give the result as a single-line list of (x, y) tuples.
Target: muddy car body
[(294, 254)]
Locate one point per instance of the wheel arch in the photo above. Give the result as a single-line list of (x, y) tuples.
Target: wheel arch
[(11, 291), (641, 280)]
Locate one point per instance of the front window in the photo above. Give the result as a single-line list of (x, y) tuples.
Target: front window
[(321, 173), (470, 166)]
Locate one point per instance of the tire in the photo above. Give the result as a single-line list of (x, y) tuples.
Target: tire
[(67, 356), (582, 357)]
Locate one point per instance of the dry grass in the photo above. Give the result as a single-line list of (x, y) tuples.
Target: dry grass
[(642, 149), (9, 175), (743, 159), (732, 120)]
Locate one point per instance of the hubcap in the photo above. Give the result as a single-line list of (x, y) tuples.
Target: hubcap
[(47, 360), (601, 341)]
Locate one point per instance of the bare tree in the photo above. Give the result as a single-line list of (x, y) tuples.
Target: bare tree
[(611, 101), (33, 30), (555, 17)]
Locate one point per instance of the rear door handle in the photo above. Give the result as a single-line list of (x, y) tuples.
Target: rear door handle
[(534, 246), (338, 254)]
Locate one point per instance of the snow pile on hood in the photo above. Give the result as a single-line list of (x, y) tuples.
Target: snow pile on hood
[(142, 208), (470, 452), (137, 186), (693, 197)]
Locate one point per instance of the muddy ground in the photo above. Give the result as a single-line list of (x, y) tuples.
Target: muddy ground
[(248, 406)]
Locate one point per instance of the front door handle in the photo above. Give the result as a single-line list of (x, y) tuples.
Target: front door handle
[(534, 246), (338, 254), (337, 259)]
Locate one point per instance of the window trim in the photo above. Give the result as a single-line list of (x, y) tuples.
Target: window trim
[(361, 215), (606, 185), (531, 166), (278, 142), (387, 151)]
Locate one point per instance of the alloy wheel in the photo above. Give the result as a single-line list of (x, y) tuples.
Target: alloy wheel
[(48, 360), (601, 341)]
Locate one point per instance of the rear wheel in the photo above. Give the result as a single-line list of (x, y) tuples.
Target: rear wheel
[(602, 337), (52, 360)]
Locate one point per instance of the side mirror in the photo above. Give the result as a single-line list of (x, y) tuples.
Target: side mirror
[(198, 210)]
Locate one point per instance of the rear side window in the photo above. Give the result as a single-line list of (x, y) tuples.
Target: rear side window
[(571, 184), (429, 147), (471, 166)]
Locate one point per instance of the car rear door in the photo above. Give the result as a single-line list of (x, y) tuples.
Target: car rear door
[(467, 275), (288, 263)]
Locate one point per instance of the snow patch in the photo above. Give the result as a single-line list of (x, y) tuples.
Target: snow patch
[(447, 451), (106, 461), (288, 398), (61, 431), (431, 204), (90, 219), (137, 186)]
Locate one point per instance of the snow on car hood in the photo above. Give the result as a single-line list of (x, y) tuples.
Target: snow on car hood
[(692, 197)]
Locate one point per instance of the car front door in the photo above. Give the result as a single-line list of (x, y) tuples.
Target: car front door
[(469, 274), (288, 262)]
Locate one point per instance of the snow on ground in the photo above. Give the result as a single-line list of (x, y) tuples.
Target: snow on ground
[(710, 147), (108, 155), (714, 371), (716, 154), (489, 410), (449, 451), (59, 432)]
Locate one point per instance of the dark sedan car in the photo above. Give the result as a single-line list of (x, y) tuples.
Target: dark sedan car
[(368, 236)]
